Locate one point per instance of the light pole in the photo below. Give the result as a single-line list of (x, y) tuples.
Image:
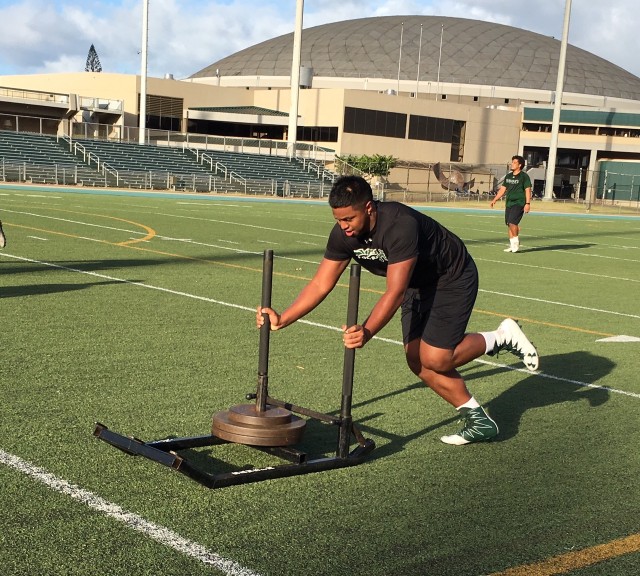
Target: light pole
[(440, 59), (400, 56), (295, 81), (419, 53), (557, 106), (143, 72)]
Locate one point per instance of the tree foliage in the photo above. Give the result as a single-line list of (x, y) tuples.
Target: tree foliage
[(93, 62), (376, 165)]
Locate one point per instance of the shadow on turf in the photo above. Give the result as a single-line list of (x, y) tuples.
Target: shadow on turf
[(40, 289), (556, 247), (556, 237), (533, 391), (319, 440)]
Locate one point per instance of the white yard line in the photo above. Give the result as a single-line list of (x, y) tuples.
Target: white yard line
[(540, 300), (618, 278), (244, 225), (169, 238), (156, 532), (326, 327)]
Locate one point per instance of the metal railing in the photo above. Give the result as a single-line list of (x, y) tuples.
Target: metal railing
[(407, 183)]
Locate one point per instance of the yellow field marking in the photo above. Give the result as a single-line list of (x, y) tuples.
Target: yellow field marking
[(151, 234), (129, 244), (150, 231), (549, 324), (565, 563)]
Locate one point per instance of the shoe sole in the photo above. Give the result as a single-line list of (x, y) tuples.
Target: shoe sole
[(531, 362), (464, 442)]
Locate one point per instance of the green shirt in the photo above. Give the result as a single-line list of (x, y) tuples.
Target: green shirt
[(516, 185)]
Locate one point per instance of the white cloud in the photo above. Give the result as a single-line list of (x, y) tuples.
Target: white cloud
[(187, 35)]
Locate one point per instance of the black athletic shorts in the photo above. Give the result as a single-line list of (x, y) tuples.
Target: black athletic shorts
[(440, 313), (513, 214)]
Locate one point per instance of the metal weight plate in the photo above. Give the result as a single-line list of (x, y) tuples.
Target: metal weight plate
[(263, 431), (249, 414)]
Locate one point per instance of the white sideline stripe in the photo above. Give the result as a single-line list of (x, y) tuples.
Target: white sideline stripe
[(189, 241), (157, 532), (216, 204), (559, 303), (569, 381), (244, 225), (528, 372), (307, 322), (555, 269), (184, 240)]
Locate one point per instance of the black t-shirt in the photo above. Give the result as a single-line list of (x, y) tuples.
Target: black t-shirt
[(402, 233)]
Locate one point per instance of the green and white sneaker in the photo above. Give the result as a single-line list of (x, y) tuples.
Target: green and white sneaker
[(511, 338), (3, 238), (477, 427)]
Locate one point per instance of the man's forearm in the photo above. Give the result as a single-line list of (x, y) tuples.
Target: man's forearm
[(381, 314), (307, 300)]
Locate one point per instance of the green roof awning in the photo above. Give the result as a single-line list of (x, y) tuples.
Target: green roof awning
[(253, 110)]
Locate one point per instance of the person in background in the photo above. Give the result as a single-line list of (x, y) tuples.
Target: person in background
[(517, 188)]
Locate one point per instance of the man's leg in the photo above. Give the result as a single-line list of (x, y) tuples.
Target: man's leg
[(434, 322), (512, 218), (514, 234), (3, 239), (447, 382)]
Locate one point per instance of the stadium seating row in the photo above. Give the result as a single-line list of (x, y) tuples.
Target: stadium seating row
[(47, 159)]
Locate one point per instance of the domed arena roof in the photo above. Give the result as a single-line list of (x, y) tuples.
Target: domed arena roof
[(473, 52)]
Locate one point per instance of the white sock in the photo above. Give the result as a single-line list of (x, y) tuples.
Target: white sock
[(471, 403), (515, 241), (490, 340)]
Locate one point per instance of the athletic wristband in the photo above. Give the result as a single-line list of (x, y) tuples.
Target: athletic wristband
[(527, 203)]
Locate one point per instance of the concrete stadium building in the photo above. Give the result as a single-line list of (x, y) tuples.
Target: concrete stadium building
[(424, 89)]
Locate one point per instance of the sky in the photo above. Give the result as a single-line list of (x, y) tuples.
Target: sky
[(184, 36)]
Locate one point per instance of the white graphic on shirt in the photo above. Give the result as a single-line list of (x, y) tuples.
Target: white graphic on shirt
[(370, 254)]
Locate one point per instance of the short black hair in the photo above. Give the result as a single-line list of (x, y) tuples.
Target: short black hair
[(350, 191), (520, 160)]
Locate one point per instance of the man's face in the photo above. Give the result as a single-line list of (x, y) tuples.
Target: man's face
[(515, 165), (354, 221)]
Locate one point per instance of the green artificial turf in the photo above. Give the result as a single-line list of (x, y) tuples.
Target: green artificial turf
[(153, 337)]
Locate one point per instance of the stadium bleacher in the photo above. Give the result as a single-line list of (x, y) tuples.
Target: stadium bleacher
[(41, 159)]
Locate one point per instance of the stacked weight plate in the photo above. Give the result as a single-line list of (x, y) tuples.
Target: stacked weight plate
[(244, 424)]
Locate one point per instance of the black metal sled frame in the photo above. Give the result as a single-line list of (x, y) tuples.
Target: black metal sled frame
[(166, 451)]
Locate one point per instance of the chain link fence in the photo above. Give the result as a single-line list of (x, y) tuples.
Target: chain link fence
[(614, 183)]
